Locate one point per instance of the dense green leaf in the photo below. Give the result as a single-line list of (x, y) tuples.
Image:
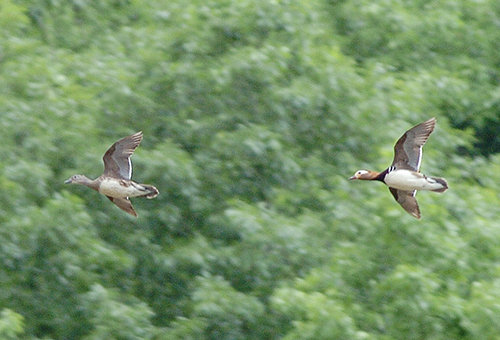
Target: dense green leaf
[(254, 115)]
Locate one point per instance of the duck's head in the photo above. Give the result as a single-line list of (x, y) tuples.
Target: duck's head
[(77, 179), (362, 174)]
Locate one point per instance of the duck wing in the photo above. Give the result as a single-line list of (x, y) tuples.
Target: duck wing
[(117, 162), (124, 204), (407, 200), (408, 149)]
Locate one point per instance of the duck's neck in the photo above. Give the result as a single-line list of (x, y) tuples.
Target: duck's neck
[(374, 176), (381, 175), (94, 184)]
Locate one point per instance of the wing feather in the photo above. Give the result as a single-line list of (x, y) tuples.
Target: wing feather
[(408, 149), (124, 204), (407, 200), (117, 162)]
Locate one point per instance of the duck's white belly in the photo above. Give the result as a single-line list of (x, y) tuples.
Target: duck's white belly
[(119, 188), (410, 180)]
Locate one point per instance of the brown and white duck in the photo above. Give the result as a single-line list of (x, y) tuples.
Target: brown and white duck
[(116, 181), (403, 177)]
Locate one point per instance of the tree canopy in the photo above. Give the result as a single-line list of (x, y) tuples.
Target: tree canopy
[(254, 115)]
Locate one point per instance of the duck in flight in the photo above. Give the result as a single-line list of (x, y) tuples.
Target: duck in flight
[(115, 182), (403, 177)]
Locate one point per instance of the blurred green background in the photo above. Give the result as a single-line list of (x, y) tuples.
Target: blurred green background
[(255, 113)]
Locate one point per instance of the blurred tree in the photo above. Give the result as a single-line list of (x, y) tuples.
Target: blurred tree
[(11, 324), (254, 114)]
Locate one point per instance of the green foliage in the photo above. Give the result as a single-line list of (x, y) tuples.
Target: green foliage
[(11, 324), (254, 114), (113, 319), (229, 314)]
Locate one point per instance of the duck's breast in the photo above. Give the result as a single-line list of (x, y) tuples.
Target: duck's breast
[(410, 180)]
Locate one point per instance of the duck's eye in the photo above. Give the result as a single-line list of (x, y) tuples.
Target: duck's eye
[(74, 177)]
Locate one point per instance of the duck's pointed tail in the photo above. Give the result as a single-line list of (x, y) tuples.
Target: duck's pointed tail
[(152, 191), (442, 182)]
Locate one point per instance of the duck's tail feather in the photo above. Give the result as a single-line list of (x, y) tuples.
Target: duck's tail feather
[(442, 181), (152, 191)]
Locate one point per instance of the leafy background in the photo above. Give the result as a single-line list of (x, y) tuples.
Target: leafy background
[(254, 114)]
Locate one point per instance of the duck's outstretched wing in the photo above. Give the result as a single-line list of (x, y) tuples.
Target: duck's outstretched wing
[(407, 200), (124, 204), (117, 162), (408, 149)]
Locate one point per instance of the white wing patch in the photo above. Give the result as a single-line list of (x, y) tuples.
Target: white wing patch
[(129, 169), (419, 158)]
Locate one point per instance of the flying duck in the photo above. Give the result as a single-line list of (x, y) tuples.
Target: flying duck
[(115, 181), (403, 177)]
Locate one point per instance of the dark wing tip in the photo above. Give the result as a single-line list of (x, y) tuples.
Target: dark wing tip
[(125, 144), (135, 138)]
